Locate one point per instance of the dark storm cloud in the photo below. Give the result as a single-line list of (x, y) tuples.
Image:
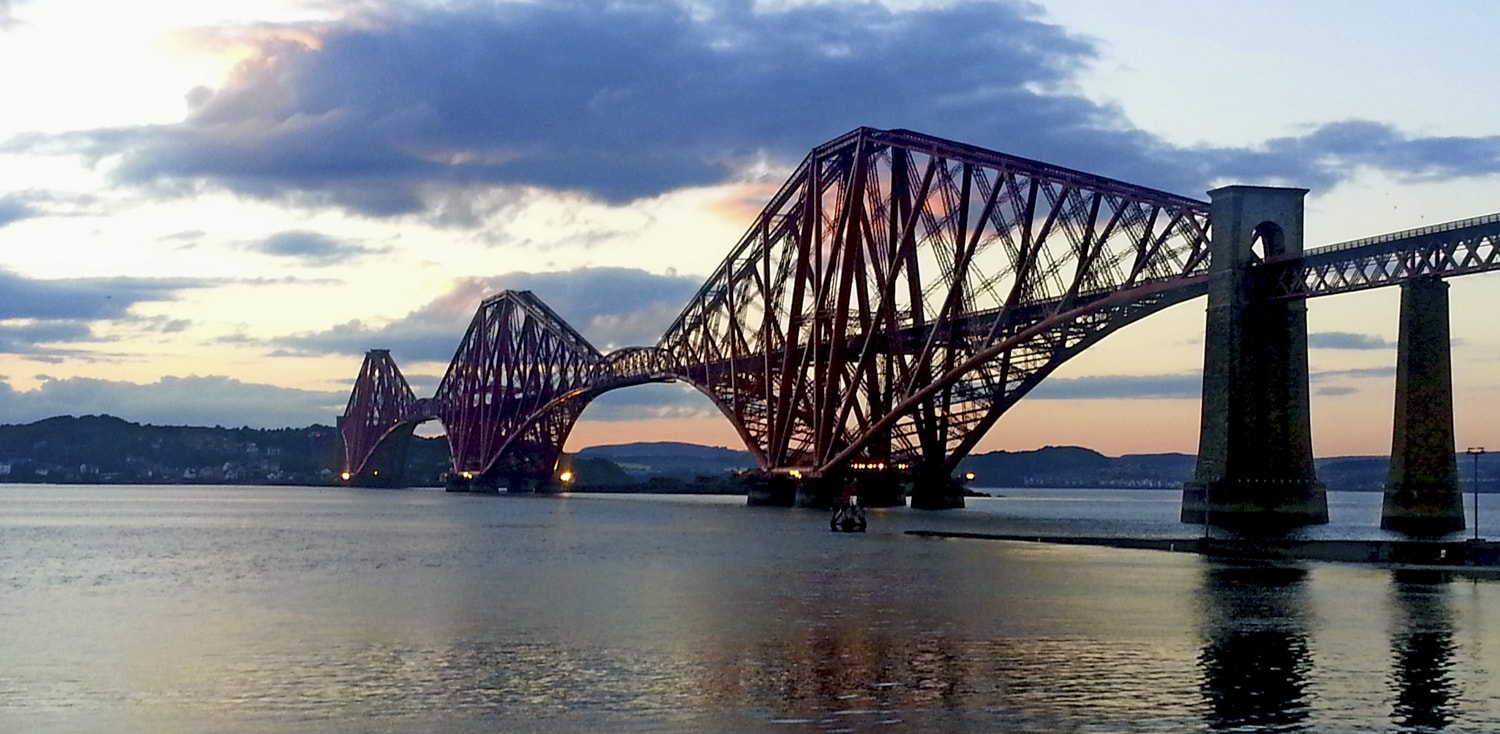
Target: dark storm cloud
[(198, 401), (611, 307), (1120, 387), (311, 248), (1347, 340)]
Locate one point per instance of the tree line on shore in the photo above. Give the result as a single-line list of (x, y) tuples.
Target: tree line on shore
[(105, 449)]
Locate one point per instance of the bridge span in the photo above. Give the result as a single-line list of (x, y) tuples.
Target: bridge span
[(901, 292)]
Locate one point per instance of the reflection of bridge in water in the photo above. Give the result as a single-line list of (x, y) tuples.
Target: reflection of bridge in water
[(900, 292)]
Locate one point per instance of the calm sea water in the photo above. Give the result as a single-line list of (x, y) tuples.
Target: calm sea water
[(203, 609)]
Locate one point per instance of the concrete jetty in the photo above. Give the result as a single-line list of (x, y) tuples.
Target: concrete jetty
[(1468, 556)]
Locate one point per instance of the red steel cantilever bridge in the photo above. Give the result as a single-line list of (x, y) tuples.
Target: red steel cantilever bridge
[(893, 300)]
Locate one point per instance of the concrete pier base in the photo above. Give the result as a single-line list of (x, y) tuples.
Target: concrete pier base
[(1250, 506), (937, 493), (1422, 493), (475, 485), (771, 491)]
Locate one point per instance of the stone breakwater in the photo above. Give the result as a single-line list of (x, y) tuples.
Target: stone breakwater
[(1459, 555)]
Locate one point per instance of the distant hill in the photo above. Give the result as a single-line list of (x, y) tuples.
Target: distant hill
[(105, 449), (670, 459), (1074, 466)]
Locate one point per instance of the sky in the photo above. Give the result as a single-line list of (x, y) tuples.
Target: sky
[(210, 211)]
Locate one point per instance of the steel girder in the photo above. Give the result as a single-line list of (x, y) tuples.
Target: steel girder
[(380, 402), (516, 358), (901, 291), (1441, 250)]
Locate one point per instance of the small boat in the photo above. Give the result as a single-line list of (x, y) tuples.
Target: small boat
[(848, 517)]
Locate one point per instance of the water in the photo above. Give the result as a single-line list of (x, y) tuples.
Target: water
[(205, 609)]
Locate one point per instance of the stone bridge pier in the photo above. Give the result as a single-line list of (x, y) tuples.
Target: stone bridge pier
[(1422, 494), (1255, 461)]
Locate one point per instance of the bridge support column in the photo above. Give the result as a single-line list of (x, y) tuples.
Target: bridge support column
[(936, 491), (1422, 493), (1255, 463)]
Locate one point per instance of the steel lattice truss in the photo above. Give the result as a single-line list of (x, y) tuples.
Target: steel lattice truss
[(516, 358), (900, 292), (381, 401), (893, 300), (1441, 250)]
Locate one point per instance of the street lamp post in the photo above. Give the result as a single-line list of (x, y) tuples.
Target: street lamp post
[(1476, 452)]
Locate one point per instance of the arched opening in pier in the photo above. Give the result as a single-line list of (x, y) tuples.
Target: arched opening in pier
[(1266, 241)]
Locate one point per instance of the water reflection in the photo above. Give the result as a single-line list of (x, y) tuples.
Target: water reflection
[(1255, 657), (1422, 650)]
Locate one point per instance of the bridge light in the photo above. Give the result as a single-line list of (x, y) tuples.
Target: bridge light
[(968, 476), (345, 476), (796, 473), (468, 475), (565, 477)]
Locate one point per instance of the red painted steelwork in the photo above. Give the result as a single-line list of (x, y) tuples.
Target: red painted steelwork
[(1437, 251), (381, 401), (837, 327), (895, 297), (515, 359)]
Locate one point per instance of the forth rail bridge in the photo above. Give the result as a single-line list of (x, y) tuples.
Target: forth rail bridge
[(901, 292)]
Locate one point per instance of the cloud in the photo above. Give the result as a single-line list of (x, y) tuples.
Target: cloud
[(196, 401), (1347, 340), (390, 114), (621, 100), (36, 315), (14, 208), (1334, 391), (311, 248), (611, 307), (1357, 373), (1120, 387), (1328, 153), (37, 340), (651, 402), (1321, 379), (83, 298)]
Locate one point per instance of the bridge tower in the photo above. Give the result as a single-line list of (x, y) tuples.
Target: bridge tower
[(376, 427), (1255, 461), (1422, 493)]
